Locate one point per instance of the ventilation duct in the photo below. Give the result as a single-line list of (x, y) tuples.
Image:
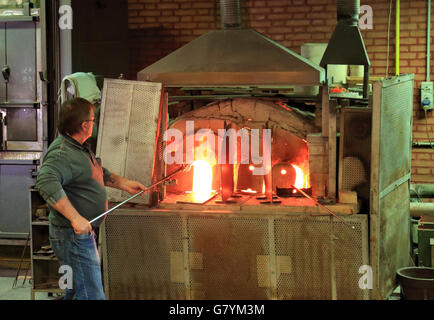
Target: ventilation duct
[(346, 44), (233, 56), (230, 11)]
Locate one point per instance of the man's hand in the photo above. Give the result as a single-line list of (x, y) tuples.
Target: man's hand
[(133, 187), (121, 183), (81, 225)]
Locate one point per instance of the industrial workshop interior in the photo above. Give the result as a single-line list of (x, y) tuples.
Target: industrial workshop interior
[(286, 146)]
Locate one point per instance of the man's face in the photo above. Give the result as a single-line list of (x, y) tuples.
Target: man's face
[(88, 124)]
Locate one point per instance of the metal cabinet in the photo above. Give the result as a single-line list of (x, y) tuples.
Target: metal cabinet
[(23, 118), (19, 41), (16, 176), (20, 88)]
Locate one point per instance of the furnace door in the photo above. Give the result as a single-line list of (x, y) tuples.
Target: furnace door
[(130, 126), (390, 181)]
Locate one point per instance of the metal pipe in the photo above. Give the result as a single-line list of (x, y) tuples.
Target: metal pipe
[(348, 11), (230, 11), (365, 81), (422, 144), (423, 190), (428, 40), (398, 10), (418, 209)]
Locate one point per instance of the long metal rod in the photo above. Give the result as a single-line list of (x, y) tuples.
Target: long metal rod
[(21, 261), (428, 41), (321, 205), (183, 168)]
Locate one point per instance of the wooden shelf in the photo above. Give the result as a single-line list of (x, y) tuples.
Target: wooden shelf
[(40, 223), (41, 257), (44, 267)]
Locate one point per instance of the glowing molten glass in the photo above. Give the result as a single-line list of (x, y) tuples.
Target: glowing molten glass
[(301, 179), (202, 178), (249, 190)]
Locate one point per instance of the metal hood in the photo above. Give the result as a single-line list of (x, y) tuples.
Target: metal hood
[(233, 57), (346, 44)]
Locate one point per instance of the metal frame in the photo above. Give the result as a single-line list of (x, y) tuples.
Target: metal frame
[(271, 261), (40, 107), (390, 181)]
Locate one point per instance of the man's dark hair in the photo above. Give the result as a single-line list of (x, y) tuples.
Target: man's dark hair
[(72, 114)]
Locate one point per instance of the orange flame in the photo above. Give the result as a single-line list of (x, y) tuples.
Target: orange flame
[(202, 177), (301, 179)]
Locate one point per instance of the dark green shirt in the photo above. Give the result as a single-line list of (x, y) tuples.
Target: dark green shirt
[(71, 169)]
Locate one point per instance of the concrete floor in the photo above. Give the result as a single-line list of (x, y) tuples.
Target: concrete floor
[(21, 291)]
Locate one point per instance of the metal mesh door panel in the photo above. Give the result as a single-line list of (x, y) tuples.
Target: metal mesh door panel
[(304, 242), (126, 140), (307, 242), (142, 134), (233, 258), (397, 102), (390, 179), (113, 130), (138, 252), (230, 248), (351, 253), (355, 147), (354, 173)]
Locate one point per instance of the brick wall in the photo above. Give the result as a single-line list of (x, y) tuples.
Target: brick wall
[(158, 27)]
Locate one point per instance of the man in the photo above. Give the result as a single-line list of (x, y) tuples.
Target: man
[(72, 182)]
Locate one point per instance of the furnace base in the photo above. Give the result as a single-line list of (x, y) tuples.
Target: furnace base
[(250, 203)]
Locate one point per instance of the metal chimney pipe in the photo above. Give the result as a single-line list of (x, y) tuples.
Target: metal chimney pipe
[(348, 11), (230, 11)]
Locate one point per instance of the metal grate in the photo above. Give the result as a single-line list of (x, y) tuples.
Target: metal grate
[(126, 140), (139, 252), (354, 173), (397, 102), (232, 267), (307, 241), (305, 244), (390, 178), (355, 147), (233, 257)]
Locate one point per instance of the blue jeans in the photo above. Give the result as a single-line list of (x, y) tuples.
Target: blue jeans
[(79, 252)]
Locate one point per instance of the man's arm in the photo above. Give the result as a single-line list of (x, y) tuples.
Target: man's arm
[(80, 224), (55, 170), (121, 183)]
